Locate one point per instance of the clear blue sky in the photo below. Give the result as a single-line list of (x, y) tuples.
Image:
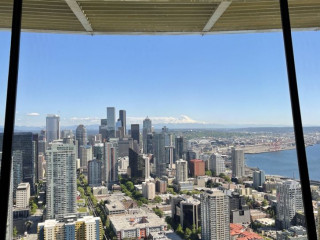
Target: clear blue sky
[(222, 79)]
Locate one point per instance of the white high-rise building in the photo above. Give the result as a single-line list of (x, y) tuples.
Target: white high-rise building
[(85, 155), (237, 163), (258, 178), (149, 190), (181, 171), (52, 127), (61, 180), (23, 195), (289, 201), (217, 164), (215, 216), (146, 166)]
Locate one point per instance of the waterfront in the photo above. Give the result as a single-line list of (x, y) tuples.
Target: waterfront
[(285, 163)]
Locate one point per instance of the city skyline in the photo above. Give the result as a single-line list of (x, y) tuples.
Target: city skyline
[(221, 80)]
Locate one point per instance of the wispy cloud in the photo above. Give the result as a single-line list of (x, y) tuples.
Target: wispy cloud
[(33, 114), (84, 120)]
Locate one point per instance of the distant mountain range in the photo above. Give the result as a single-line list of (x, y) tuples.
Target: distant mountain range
[(92, 129)]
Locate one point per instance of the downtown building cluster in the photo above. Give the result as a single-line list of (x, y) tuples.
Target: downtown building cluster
[(199, 186)]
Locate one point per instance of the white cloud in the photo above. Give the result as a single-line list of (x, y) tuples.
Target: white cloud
[(84, 120), (167, 120), (33, 114)]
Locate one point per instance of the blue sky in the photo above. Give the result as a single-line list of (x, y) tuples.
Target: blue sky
[(215, 79)]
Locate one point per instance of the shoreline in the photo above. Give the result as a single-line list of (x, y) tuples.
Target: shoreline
[(266, 149)]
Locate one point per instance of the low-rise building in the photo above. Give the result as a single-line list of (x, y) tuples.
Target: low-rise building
[(136, 226), (293, 233), (149, 190)]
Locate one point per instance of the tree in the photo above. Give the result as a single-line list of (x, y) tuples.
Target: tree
[(15, 231), (129, 186), (264, 203), (209, 173), (187, 233), (179, 231), (158, 199), (159, 212)]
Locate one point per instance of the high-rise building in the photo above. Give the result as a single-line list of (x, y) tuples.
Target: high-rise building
[(135, 132), (139, 165), (215, 219), (81, 135), (289, 201), (123, 119), (41, 166), (23, 195), (197, 167), (52, 127), (161, 186), (111, 122), (216, 164), (146, 129), (94, 173), (179, 147), (17, 170), (110, 165), (149, 190), (181, 171), (170, 155), (98, 151), (85, 155), (160, 141), (103, 129), (258, 179), (150, 142), (25, 157), (237, 156), (61, 187)]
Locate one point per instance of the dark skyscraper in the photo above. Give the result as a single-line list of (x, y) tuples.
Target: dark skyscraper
[(123, 119), (111, 121), (26, 143), (146, 129), (135, 132), (179, 147)]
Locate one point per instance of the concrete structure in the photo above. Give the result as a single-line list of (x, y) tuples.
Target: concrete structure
[(216, 164), (161, 186), (146, 129), (149, 190), (215, 217), (61, 186), (86, 228), (85, 155), (258, 179), (136, 226), (94, 173), (237, 156), (110, 165), (23, 195), (52, 127), (101, 190), (41, 166), (111, 122), (239, 211), (289, 201), (181, 171), (197, 167)]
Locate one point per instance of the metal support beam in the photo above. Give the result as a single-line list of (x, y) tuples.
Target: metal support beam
[(296, 114), (10, 117), (75, 8), (216, 15)]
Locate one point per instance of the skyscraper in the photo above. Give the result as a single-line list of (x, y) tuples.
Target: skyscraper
[(146, 129), (216, 164), (85, 155), (139, 165), (94, 173), (61, 187), (52, 127), (123, 119), (24, 142), (215, 216), (135, 132), (179, 147), (289, 201), (181, 171), (111, 121), (110, 165), (159, 152), (237, 163), (258, 178), (81, 135)]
